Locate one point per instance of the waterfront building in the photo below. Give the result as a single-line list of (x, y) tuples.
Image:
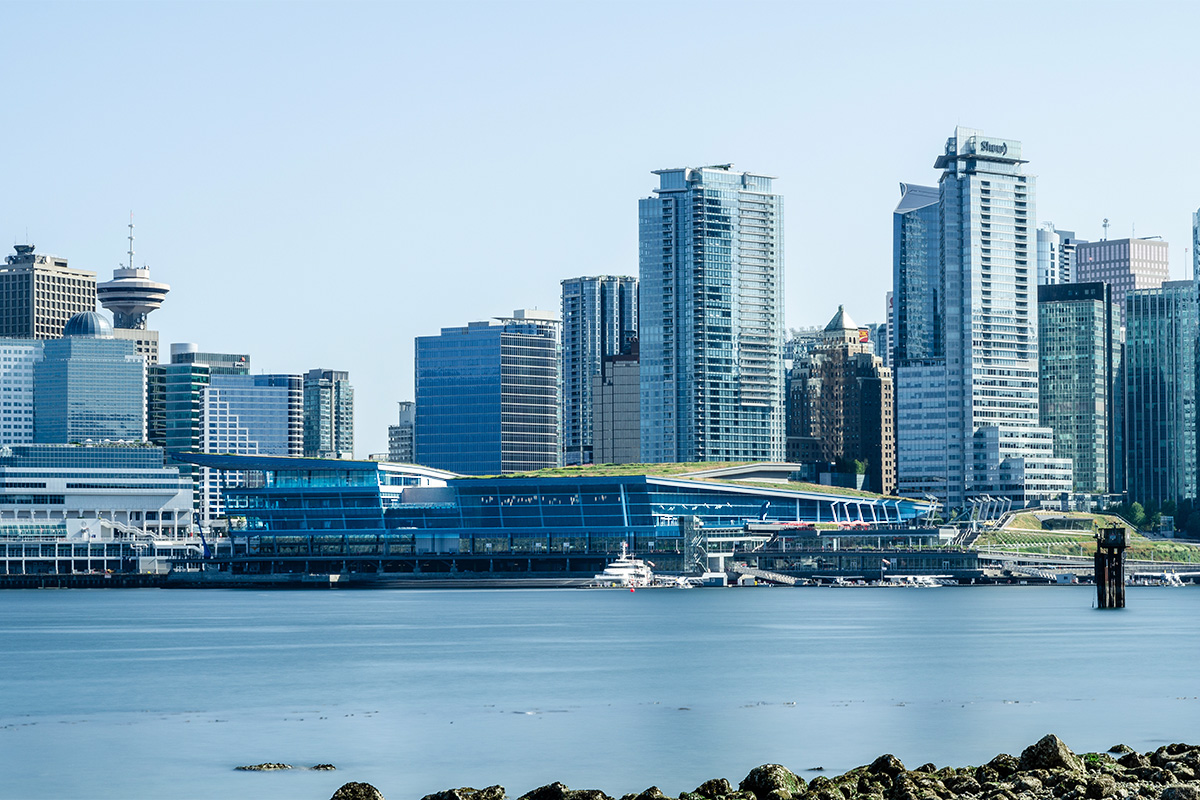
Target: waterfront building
[(1195, 246), (969, 415), (599, 319), (39, 293), (1079, 380), (328, 414), (1160, 353), (305, 516), (17, 359), (89, 386), (1055, 255), (400, 435), (840, 405), (488, 395), (125, 485), (710, 319), (616, 410), (1126, 264)]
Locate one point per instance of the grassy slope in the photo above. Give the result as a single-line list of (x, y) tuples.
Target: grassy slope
[(1024, 533)]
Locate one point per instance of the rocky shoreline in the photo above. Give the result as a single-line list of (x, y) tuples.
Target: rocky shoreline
[(1046, 770)]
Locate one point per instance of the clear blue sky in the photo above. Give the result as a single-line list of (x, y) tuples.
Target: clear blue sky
[(322, 182)]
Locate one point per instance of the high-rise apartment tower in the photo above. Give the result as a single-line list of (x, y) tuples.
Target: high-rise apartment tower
[(710, 319)]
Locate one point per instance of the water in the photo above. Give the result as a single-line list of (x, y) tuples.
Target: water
[(148, 693)]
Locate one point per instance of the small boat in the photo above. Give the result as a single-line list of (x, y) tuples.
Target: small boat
[(626, 571)]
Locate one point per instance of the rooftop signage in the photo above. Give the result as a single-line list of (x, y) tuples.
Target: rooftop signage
[(1007, 149)]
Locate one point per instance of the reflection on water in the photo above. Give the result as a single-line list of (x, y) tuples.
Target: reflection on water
[(140, 693)]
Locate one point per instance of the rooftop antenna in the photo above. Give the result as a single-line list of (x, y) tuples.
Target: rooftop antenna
[(131, 239), (1105, 239)]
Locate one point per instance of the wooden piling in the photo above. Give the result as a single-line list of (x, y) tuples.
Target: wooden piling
[(1110, 567)]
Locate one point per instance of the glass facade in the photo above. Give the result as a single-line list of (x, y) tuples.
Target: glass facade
[(89, 388), (1079, 363), (487, 396), (1125, 264), (711, 317), (1055, 255), (916, 276), (1161, 352), (17, 359), (599, 318), (328, 414)]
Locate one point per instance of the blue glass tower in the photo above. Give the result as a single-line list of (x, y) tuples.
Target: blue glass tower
[(487, 396), (89, 385), (916, 276), (711, 317)]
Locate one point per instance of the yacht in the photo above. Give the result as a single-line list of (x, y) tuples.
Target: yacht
[(626, 571)]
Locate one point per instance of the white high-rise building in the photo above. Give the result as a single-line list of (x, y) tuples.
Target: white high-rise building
[(17, 357), (993, 444), (1055, 255), (710, 318)]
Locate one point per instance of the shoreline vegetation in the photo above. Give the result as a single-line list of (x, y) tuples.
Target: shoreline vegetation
[(1046, 770)]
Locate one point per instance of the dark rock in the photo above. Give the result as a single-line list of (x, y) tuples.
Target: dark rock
[(1133, 760), (1004, 765), (1178, 748), (714, 788), (903, 788), (818, 783), (493, 792), (265, 767), (691, 796), (1099, 786), (768, 778), (587, 794), (551, 791), (653, 793), (1181, 792), (740, 795), (963, 784), (1027, 783), (323, 767), (1049, 752), (929, 767), (831, 793), (357, 791), (986, 774), (774, 794), (888, 765), (1121, 749)]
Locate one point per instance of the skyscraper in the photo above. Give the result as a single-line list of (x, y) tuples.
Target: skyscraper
[(400, 435), (130, 296), (89, 385), (1079, 371), (1055, 255), (17, 360), (710, 319), (328, 414), (599, 318), (916, 276), (617, 410), (487, 396), (1125, 264), (39, 293), (840, 405), (969, 420), (1160, 352)]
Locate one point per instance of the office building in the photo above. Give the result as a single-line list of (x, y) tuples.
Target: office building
[(968, 419), (599, 318), (1160, 356), (17, 359), (840, 406), (39, 293), (617, 410), (122, 484), (89, 386), (1079, 380), (328, 414), (1126, 264), (400, 436), (175, 395), (1055, 255), (487, 396), (916, 304), (710, 318)]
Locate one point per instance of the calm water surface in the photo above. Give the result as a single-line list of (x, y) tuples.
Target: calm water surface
[(150, 694)]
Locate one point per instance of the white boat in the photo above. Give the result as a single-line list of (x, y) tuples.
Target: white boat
[(626, 571)]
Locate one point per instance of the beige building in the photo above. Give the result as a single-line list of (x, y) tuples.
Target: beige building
[(39, 293), (841, 405)]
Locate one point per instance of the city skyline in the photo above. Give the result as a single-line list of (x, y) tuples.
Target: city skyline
[(257, 182)]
